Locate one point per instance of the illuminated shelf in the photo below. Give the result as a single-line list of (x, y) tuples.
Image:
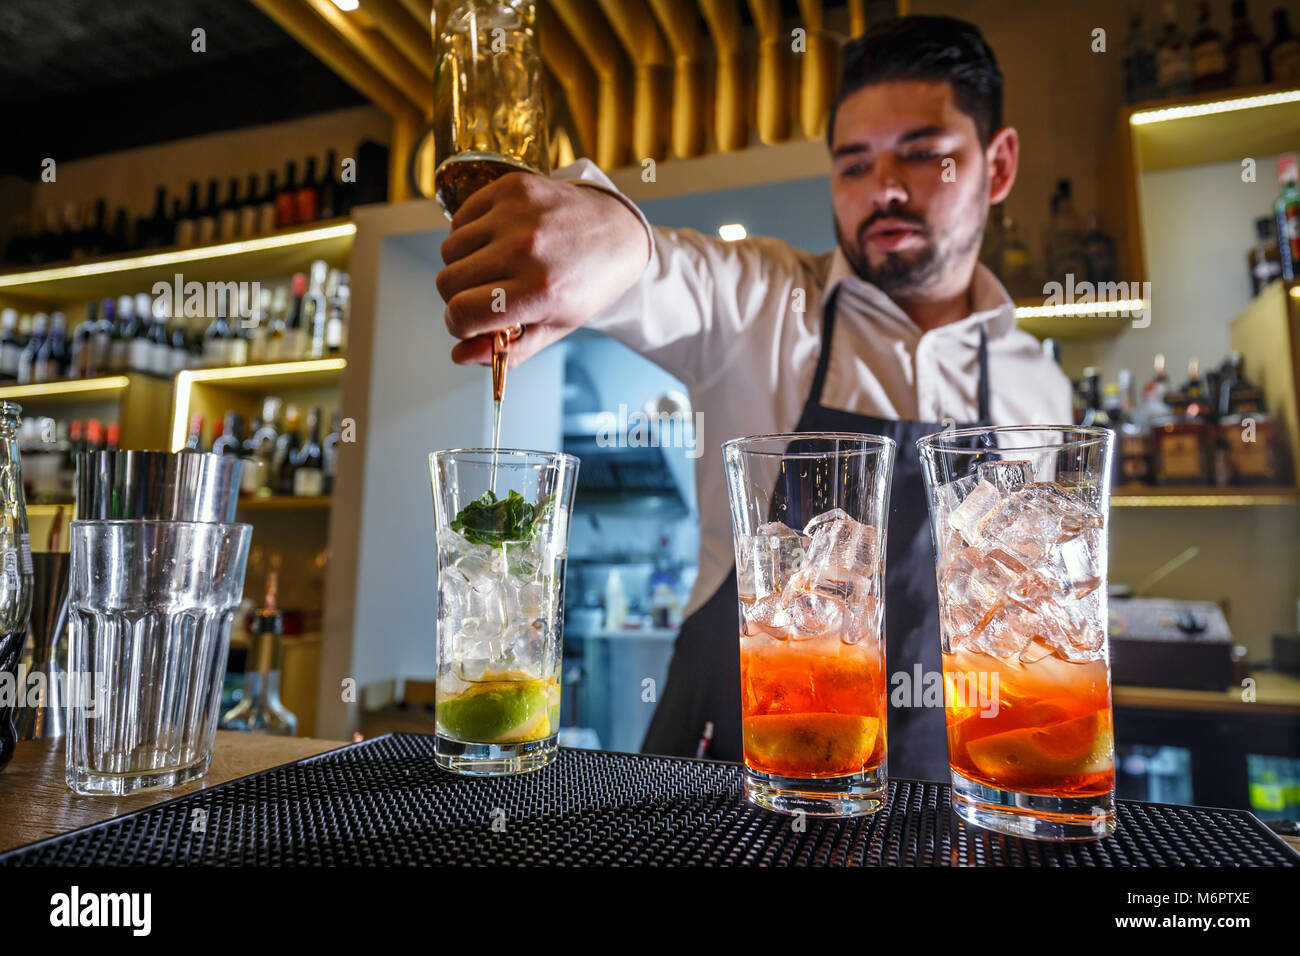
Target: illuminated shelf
[(1232, 497), (265, 257), (1218, 127), (245, 381), (285, 503), (107, 388), (1075, 322)]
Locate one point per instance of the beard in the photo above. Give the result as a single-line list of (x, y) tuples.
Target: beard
[(902, 273)]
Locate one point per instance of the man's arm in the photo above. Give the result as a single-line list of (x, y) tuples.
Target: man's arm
[(576, 255)]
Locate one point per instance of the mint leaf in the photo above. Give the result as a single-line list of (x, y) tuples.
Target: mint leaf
[(491, 520)]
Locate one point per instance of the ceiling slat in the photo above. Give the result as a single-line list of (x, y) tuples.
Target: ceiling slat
[(678, 19), (773, 113), (573, 72), (614, 116), (406, 33), (378, 52), (730, 127), (640, 36)]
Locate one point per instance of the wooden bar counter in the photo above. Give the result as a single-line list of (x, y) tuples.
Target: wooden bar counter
[(35, 803)]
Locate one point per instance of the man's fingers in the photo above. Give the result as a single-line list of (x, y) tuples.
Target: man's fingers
[(482, 199), (483, 267), (488, 308), (478, 350)]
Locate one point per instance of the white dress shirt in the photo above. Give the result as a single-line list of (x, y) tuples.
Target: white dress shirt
[(740, 324)]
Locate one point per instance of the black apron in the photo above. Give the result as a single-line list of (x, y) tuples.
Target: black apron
[(703, 683)]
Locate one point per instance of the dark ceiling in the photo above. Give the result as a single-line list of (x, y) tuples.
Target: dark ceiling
[(81, 77)]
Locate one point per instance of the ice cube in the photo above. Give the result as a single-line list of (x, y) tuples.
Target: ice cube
[(453, 595), (814, 614), (530, 601), (973, 582), (839, 541), (768, 616), (863, 620), (1018, 529), (483, 568), (958, 624), (1075, 565), (947, 498), (1065, 510), (1006, 475), (838, 583), (967, 517), (1014, 625), (767, 560)]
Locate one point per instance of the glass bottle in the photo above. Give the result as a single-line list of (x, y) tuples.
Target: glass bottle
[(1284, 51), (1173, 56), (1264, 259), (259, 710), (1139, 62), (15, 570), (1209, 55), (1286, 212), (1245, 51)]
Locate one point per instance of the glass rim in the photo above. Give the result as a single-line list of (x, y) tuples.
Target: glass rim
[(92, 522), (880, 443), (516, 454), (1074, 435)]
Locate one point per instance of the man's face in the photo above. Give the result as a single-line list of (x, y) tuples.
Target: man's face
[(910, 188)]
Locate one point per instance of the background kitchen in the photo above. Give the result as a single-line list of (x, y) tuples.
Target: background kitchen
[(1151, 156)]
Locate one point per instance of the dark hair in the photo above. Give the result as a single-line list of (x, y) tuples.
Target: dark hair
[(938, 49)]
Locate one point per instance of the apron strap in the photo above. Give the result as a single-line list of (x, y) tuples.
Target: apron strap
[(982, 389)]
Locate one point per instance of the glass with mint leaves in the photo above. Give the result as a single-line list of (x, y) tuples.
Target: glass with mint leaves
[(503, 528)]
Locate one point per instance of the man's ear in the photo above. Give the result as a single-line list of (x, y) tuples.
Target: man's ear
[(1002, 159)]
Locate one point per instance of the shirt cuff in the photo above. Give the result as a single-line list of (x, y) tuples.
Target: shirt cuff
[(584, 172)]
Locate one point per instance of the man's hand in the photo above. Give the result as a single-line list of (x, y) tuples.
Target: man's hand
[(554, 254)]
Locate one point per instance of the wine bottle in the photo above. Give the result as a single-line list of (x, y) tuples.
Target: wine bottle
[(295, 335), (305, 199), (327, 190), (286, 203), (250, 211), (187, 226), (308, 464), (268, 207), (140, 345), (216, 345), (10, 350), (228, 220), (286, 450), (315, 310), (27, 362), (208, 217)]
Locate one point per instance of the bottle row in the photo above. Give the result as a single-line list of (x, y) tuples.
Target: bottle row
[(83, 231), (1173, 64), (307, 319), (1068, 249), (279, 457), (1211, 430), (1270, 258)]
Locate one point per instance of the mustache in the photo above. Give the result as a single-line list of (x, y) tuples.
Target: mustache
[(893, 211)]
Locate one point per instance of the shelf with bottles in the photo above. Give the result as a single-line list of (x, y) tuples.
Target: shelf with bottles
[(79, 242), (289, 458)]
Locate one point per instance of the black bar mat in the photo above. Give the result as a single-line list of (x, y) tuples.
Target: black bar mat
[(384, 802)]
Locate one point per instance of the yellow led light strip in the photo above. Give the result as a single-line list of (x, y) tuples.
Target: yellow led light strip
[(47, 389), (1119, 307), (1218, 106), (178, 255), (186, 379)]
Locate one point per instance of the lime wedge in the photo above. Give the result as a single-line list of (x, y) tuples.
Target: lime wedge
[(491, 713)]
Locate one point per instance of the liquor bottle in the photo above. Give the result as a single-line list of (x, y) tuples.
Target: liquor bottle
[(173, 222), (187, 226), (112, 437), (286, 450), (120, 239), (1154, 406), (259, 710), (95, 435), (16, 558), (1250, 437), (139, 348), (95, 241), (194, 442), (206, 227), (260, 450), (83, 345), (236, 338), (1134, 439), (1173, 56), (1209, 56), (250, 212), (277, 324), (216, 340), (330, 452), (10, 350), (260, 324), (228, 218), (338, 292), (1286, 212), (180, 345), (296, 342), (1263, 260), (1139, 62), (231, 441), (160, 347), (119, 349), (152, 232), (52, 359), (102, 339), (1183, 441), (327, 190), (308, 463), (1245, 51), (1283, 52), (316, 310), (306, 199), (27, 366), (196, 343), (1065, 252), (1099, 252), (286, 203), (268, 208)]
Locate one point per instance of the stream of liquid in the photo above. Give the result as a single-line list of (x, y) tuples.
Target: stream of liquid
[(500, 355)]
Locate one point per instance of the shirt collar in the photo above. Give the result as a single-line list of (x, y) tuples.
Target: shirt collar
[(992, 305)]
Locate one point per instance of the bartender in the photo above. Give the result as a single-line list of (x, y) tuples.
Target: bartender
[(899, 332)]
